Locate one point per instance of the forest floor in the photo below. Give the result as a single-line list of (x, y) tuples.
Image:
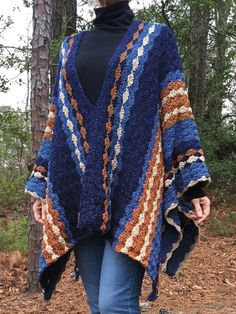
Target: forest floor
[(205, 283)]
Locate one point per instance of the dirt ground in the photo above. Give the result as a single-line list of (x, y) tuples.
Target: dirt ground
[(205, 284)]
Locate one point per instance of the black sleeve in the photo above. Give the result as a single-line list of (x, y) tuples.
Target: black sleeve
[(195, 191)]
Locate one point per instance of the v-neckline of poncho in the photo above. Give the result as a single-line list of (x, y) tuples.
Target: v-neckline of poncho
[(90, 125), (84, 103)]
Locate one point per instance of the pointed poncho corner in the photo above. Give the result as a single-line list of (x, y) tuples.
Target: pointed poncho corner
[(123, 164)]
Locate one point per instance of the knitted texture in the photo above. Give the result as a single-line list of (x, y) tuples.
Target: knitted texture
[(121, 166)]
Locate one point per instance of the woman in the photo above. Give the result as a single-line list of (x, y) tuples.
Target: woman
[(120, 168)]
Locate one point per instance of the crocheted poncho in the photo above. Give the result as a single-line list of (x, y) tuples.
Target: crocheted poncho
[(129, 158)]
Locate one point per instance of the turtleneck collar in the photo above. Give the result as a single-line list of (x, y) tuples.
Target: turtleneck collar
[(117, 16)]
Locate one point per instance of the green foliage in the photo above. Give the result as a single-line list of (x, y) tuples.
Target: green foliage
[(12, 193), (28, 3), (220, 152), (54, 47), (14, 151), (14, 235)]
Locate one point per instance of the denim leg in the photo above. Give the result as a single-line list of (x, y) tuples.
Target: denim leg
[(120, 283), (89, 254)]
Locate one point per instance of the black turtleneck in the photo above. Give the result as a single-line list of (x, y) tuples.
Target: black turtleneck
[(97, 47)]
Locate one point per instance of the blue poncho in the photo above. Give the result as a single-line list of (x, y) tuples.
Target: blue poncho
[(123, 165)]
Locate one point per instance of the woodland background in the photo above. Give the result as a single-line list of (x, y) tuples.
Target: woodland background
[(206, 34)]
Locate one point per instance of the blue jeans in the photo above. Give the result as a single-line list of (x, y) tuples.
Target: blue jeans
[(112, 281)]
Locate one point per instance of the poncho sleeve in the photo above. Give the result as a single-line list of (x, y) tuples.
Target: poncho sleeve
[(37, 182), (184, 156)]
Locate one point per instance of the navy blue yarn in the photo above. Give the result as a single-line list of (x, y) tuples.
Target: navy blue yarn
[(63, 178), (91, 204)]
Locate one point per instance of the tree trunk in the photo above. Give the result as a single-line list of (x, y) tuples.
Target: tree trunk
[(64, 14), (202, 60), (39, 111), (222, 10), (199, 16)]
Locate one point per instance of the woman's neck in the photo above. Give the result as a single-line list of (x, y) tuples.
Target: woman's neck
[(115, 17)]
